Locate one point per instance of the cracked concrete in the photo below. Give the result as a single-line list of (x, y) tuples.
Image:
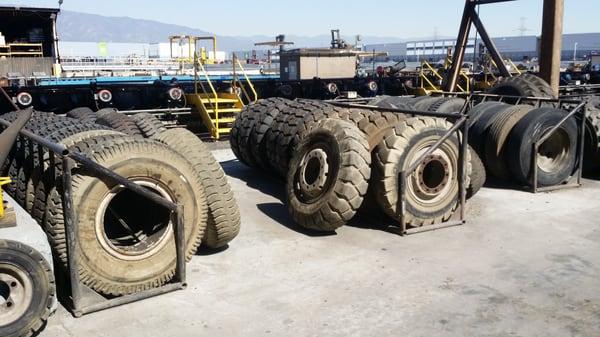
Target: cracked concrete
[(523, 265)]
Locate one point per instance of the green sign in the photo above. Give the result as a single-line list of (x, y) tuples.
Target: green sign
[(102, 49)]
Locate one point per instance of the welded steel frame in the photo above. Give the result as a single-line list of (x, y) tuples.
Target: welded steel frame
[(469, 18), (574, 107), (84, 299), (460, 127)]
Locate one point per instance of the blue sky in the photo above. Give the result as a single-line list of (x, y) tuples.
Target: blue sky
[(398, 18)]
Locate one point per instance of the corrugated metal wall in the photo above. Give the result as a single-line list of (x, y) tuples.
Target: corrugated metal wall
[(26, 66)]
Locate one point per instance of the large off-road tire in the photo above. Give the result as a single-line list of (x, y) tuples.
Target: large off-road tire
[(223, 212), (32, 171), (328, 176), (113, 260), (525, 85), (148, 124), (83, 114), (27, 290), (448, 105), (30, 154), (234, 134), (495, 142), (268, 112), (478, 174), (542, 85), (120, 122), (556, 157), (283, 130), (423, 103), (375, 124), (479, 129), (43, 183), (432, 190), (392, 102)]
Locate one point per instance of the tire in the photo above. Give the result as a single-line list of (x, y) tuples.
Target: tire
[(478, 174), (542, 85), (104, 111), (234, 135), (423, 103), (83, 114), (561, 148), (148, 124), (375, 124), (268, 112), (329, 200), (392, 102), (223, 213), (43, 183), (478, 130), (397, 151), (120, 122), (27, 283), (525, 85), (32, 171), (285, 126), (495, 141), (106, 264), (448, 105)]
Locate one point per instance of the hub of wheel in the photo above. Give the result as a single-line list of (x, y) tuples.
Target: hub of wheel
[(554, 152), (433, 175), (16, 293), (314, 170), (130, 226)]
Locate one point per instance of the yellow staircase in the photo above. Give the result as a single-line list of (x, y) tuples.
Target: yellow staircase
[(219, 110)]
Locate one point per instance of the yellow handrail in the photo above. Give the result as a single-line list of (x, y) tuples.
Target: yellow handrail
[(435, 72), (254, 93), (215, 104)]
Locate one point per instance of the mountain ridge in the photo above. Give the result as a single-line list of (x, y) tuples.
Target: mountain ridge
[(86, 27)]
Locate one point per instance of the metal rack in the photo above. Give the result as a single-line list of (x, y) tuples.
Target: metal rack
[(84, 299), (573, 107), (460, 127)]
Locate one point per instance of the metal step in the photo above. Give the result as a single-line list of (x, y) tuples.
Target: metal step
[(224, 130), (219, 100), (226, 120), (225, 110)]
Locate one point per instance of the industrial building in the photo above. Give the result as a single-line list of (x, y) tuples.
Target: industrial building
[(514, 47)]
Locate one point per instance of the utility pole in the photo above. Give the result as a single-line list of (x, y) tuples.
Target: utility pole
[(551, 44)]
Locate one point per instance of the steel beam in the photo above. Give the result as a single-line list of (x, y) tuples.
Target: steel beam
[(551, 43), (459, 49)]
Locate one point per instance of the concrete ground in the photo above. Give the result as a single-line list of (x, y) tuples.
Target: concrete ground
[(523, 265)]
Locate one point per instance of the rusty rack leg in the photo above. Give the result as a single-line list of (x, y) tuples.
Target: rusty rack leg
[(579, 152), (463, 142), (84, 299)]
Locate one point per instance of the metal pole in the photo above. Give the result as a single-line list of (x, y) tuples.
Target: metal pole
[(459, 50), (489, 43), (551, 45)]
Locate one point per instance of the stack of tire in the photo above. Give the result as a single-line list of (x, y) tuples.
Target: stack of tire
[(503, 134), (125, 242), (336, 160)]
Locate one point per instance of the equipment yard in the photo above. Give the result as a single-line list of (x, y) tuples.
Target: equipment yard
[(523, 264), (190, 191)]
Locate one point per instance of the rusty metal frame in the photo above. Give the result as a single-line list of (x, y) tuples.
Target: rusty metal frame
[(84, 299), (460, 127), (574, 107)]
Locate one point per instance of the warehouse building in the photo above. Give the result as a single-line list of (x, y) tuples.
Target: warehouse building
[(514, 47)]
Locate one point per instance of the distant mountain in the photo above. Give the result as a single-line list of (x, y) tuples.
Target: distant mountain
[(84, 27)]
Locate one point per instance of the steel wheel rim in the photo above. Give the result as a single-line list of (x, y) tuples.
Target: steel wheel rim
[(143, 250), (554, 153), (16, 293)]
